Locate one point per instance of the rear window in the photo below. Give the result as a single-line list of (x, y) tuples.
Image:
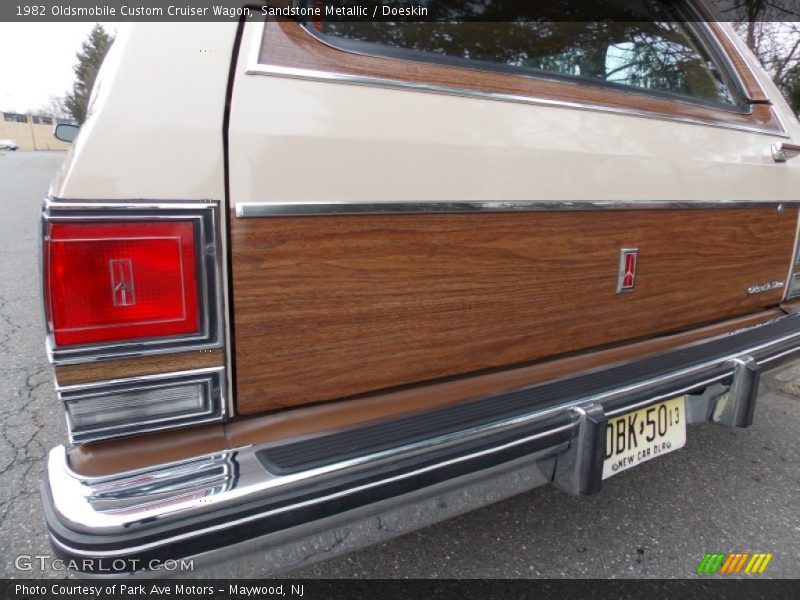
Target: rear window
[(665, 55)]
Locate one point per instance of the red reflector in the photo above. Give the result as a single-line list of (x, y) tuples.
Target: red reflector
[(108, 282)]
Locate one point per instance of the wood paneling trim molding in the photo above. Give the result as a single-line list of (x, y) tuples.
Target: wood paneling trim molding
[(328, 307), (288, 45), (755, 93), (133, 367)]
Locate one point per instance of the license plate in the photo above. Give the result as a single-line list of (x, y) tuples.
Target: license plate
[(644, 434)]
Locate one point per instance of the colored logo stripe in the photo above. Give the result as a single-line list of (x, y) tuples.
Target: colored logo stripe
[(711, 562), (734, 562), (759, 562)]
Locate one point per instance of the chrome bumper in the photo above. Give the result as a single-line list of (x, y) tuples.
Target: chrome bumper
[(255, 497)]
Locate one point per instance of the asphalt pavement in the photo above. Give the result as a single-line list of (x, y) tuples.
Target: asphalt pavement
[(727, 490)]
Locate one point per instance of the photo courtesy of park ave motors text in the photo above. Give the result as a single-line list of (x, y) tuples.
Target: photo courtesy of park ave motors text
[(398, 290)]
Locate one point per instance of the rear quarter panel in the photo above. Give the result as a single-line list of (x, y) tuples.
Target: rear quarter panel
[(329, 307)]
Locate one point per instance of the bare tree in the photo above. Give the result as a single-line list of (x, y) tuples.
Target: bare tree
[(54, 107), (777, 46)]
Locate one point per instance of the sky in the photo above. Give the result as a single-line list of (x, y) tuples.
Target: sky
[(37, 61)]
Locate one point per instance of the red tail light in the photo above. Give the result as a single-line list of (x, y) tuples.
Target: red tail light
[(116, 281)]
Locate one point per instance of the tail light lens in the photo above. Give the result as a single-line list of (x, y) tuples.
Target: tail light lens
[(125, 407), (122, 280), (115, 281), (131, 280)]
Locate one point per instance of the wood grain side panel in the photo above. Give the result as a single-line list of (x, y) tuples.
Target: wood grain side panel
[(287, 44), (329, 307), (293, 424), (126, 454), (132, 367)]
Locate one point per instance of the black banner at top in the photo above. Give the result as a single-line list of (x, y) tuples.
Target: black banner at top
[(399, 10)]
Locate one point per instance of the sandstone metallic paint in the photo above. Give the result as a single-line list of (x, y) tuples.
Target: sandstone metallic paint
[(302, 140), (154, 131)]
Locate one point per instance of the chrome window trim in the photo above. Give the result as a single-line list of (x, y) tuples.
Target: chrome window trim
[(254, 67), (702, 35), (213, 380), (739, 79), (396, 207), (206, 215)]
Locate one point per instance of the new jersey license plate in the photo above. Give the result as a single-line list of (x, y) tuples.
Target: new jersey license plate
[(644, 434)]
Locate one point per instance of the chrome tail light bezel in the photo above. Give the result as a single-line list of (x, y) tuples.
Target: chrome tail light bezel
[(205, 216), (793, 290), (793, 281), (211, 380)]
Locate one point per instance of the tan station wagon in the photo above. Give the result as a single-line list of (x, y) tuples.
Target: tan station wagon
[(314, 278)]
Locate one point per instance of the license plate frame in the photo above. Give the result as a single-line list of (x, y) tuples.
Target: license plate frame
[(640, 435)]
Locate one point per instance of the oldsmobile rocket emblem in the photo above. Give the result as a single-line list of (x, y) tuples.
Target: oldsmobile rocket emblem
[(122, 291), (626, 277)]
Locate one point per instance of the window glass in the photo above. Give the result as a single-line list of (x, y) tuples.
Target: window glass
[(15, 118), (663, 55)]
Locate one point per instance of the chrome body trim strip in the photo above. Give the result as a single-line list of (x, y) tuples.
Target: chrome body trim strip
[(226, 307), (254, 67), (344, 78), (167, 497), (393, 207), (206, 215), (781, 152)]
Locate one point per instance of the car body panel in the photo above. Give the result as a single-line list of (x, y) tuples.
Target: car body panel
[(422, 290)]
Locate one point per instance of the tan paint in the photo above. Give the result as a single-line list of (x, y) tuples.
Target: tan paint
[(303, 140), (155, 125), (155, 133)]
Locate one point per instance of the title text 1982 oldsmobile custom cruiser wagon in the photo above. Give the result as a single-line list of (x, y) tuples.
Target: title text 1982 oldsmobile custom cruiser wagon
[(301, 277)]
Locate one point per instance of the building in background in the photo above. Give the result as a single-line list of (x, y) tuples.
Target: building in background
[(31, 132)]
